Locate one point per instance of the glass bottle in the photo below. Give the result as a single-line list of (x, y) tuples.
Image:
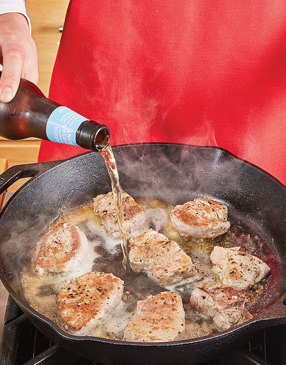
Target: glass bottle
[(31, 114)]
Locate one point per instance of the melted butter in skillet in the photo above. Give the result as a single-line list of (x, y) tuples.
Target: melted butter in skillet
[(41, 291)]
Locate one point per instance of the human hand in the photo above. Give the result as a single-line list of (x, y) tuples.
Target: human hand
[(18, 54)]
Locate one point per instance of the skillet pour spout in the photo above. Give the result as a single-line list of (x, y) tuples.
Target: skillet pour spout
[(169, 172)]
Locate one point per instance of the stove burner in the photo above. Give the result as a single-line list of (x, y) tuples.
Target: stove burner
[(23, 344)]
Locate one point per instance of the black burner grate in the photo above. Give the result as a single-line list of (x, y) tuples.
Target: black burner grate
[(23, 344)]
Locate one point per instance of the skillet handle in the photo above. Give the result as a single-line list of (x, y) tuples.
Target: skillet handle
[(17, 172)]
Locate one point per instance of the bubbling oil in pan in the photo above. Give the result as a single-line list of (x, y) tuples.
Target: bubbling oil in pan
[(41, 291)]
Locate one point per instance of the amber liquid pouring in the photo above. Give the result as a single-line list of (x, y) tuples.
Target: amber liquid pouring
[(110, 163)]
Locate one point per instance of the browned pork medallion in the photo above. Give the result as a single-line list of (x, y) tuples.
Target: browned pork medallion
[(134, 217), (160, 318), (225, 306), (87, 300), (236, 268), (202, 217), (64, 248), (160, 258)]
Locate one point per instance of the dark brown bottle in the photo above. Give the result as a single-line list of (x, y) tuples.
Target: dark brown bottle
[(31, 114)]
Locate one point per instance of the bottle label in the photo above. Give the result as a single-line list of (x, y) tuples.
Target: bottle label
[(62, 125)]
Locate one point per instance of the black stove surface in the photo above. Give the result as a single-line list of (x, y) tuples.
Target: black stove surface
[(23, 344)]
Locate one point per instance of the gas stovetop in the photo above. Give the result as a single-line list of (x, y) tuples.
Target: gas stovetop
[(23, 344)]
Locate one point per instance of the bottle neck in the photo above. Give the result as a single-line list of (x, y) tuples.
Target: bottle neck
[(92, 135)]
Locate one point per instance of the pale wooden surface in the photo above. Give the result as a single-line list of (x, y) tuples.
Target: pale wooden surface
[(17, 153), (46, 18), (3, 167), (3, 292)]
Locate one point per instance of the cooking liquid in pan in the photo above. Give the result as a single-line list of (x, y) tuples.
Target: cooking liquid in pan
[(40, 291), (110, 163)]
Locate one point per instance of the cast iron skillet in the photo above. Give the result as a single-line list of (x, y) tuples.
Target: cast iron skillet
[(174, 174)]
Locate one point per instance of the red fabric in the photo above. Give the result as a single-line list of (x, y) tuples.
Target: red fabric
[(202, 72)]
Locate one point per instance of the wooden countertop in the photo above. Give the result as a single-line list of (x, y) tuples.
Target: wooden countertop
[(3, 167), (3, 292)]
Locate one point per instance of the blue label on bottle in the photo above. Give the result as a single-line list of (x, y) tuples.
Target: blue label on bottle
[(62, 125)]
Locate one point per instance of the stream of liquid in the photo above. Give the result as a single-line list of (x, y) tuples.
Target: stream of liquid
[(110, 163)]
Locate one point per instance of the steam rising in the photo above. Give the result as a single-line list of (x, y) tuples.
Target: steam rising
[(181, 174), (17, 247)]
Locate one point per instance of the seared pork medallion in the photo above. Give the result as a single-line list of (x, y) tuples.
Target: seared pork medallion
[(64, 249), (134, 217), (89, 299), (160, 318), (225, 306), (160, 258), (201, 218), (236, 268)]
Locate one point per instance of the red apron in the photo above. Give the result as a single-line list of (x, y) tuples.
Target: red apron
[(202, 72)]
